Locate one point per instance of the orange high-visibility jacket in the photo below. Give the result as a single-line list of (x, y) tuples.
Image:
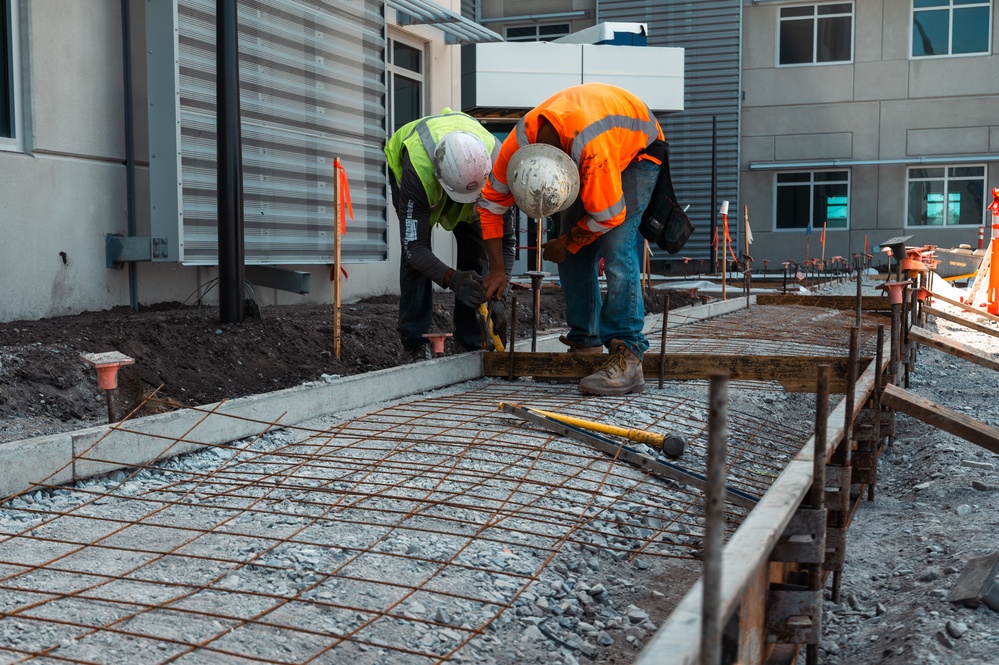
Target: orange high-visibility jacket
[(603, 128)]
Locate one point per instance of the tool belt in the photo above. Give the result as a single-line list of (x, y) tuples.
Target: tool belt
[(664, 222)]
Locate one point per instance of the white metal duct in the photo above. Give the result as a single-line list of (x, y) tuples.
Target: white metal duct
[(312, 89)]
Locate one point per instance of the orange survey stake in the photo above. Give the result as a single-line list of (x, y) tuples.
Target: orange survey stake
[(993, 293)]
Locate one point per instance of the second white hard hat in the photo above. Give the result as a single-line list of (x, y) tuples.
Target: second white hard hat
[(543, 180), (462, 164)]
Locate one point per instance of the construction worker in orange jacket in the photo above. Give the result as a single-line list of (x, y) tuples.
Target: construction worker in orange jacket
[(617, 145)]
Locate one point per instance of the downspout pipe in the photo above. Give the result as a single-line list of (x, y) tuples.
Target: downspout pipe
[(126, 59), (230, 165)]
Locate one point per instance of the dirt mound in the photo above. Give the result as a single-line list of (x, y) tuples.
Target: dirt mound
[(189, 358)]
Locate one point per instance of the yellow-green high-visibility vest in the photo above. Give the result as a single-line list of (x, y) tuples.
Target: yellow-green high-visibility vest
[(420, 138)]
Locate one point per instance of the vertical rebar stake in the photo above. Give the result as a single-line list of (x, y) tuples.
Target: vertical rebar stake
[(536, 278), (817, 492), (714, 513), (860, 293), (879, 359), (662, 344), (513, 333)]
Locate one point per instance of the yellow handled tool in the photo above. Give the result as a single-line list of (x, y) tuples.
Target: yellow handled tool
[(484, 313), (671, 444)]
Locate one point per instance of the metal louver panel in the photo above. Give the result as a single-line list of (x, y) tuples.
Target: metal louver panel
[(710, 32), (312, 89)]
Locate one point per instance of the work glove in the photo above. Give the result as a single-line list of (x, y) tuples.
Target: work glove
[(467, 287), (497, 313)]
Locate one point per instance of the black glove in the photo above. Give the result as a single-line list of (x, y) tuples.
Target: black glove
[(497, 313), (467, 287)]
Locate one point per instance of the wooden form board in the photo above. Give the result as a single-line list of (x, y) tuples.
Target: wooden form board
[(678, 640), (941, 417), (867, 303), (969, 353), (966, 307), (971, 325), (794, 373)]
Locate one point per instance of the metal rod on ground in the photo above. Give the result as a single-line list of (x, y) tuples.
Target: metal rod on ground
[(879, 359), (910, 361), (714, 516), (903, 349), (540, 244), (817, 492), (536, 278), (513, 332), (843, 454), (860, 291), (110, 400), (896, 324), (662, 344)]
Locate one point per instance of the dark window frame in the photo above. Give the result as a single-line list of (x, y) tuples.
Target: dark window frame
[(794, 22), (809, 182), (941, 181), (536, 30), (959, 14), (7, 118), (417, 77)]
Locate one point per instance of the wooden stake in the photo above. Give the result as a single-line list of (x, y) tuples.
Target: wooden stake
[(337, 221)]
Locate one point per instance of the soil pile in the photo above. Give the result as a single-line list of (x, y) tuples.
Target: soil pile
[(188, 358)]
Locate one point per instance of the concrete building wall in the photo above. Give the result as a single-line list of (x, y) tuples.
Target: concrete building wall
[(65, 189), (884, 106)]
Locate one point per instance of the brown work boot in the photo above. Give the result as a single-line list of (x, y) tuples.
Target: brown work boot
[(575, 347), (620, 375)]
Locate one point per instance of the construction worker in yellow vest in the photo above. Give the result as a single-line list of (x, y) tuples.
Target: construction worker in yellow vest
[(437, 168)]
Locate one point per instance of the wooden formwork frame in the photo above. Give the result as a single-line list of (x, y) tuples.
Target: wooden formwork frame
[(749, 572)]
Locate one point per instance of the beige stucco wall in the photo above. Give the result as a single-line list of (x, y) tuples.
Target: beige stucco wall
[(883, 106)]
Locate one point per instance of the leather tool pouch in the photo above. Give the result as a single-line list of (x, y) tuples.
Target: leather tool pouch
[(664, 222)]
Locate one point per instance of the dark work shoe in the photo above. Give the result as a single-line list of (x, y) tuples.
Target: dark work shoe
[(575, 347), (418, 353), (620, 375)]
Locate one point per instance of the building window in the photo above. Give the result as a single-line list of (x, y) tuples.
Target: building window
[(950, 196), (537, 33), (950, 27), (405, 70), (812, 34), (813, 199), (9, 79)]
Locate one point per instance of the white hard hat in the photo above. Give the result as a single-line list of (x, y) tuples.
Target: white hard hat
[(462, 164), (543, 179)]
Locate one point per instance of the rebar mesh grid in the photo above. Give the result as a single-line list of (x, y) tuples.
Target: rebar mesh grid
[(413, 534), (776, 330)]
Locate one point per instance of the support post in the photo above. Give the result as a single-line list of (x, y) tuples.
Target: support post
[(714, 530)]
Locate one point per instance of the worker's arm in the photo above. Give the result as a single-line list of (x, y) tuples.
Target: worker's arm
[(414, 226)]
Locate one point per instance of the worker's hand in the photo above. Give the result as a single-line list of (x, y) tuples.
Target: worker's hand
[(555, 251), (467, 287), (497, 314), (495, 284)]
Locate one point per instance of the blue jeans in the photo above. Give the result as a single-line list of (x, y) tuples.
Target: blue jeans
[(593, 320)]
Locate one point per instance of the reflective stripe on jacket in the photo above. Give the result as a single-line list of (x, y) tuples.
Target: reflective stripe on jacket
[(603, 128), (419, 138)]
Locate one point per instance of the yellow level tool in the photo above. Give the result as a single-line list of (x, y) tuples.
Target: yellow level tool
[(497, 342), (671, 444)]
